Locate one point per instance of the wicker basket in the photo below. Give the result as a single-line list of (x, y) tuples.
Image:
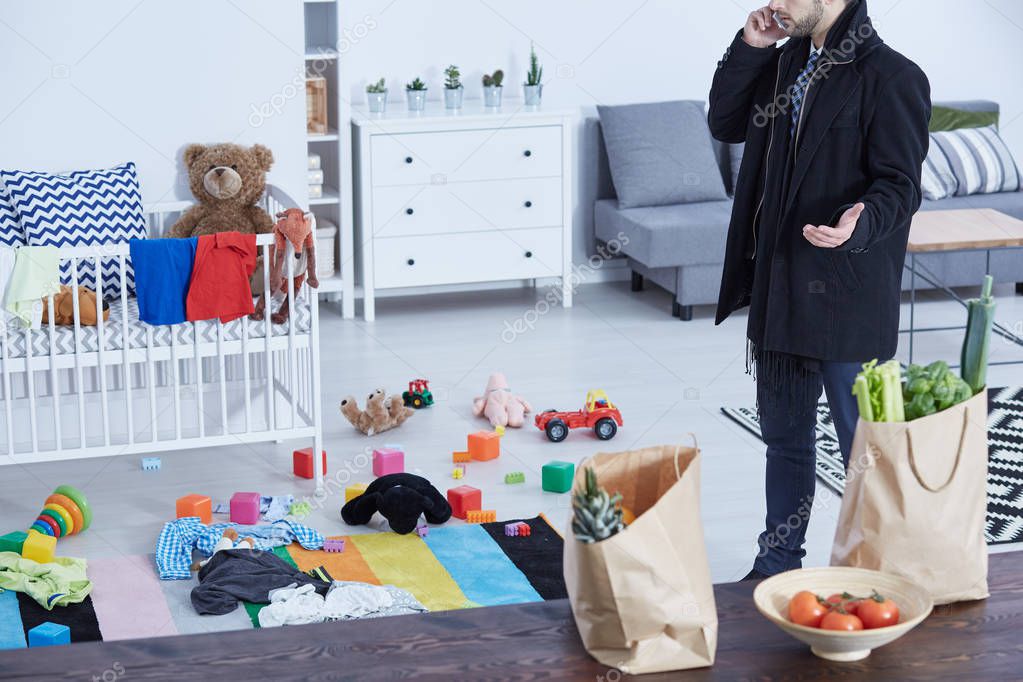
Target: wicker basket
[(326, 251)]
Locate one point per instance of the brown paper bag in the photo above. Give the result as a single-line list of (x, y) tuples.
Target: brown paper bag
[(915, 501), (642, 599)]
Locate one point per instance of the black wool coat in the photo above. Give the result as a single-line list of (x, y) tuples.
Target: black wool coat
[(862, 137)]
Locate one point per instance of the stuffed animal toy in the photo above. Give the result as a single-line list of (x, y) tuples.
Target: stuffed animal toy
[(400, 498), (64, 307), (499, 405), (382, 413), (227, 180), (295, 226)]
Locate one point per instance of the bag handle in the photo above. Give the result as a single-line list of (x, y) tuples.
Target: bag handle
[(678, 451), (955, 467)]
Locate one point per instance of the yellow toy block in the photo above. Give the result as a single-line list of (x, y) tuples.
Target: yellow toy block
[(457, 472), (354, 490), (481, 516), (39, 547), (499, 430)]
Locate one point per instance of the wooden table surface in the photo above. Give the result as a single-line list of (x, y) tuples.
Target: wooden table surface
[(962, 229), (969, 641)]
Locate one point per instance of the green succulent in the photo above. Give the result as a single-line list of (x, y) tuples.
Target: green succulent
[(535, 74), (596, 515), (493, 80), (453, 74), (417, 84), (377, 87)]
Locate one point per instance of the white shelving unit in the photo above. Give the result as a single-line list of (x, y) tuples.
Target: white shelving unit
[(321, 56)]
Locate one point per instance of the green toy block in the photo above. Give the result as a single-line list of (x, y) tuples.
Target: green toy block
[(13, 541), (557, 476), (515, 477)]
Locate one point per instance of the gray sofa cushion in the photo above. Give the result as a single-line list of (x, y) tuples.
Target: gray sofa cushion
[(662, 236), (1009, 203), (660, 153)]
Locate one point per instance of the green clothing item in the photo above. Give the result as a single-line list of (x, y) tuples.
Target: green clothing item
[(35, 276), (59, 583)]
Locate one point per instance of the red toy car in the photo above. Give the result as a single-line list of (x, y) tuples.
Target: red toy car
[(598, 414)]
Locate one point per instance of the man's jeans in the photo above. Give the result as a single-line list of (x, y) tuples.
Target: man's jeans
[(789, 432)]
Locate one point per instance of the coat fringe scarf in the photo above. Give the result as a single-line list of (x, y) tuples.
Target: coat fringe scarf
[(781, 374)]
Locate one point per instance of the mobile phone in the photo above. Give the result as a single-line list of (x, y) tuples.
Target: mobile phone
[(778, 20)]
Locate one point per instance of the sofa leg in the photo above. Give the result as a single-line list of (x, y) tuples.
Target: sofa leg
[(685, 313), (637, 281), (1019, 287), (676, 309)]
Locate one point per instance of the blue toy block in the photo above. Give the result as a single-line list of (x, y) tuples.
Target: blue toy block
[(49, 634), (150, 463)]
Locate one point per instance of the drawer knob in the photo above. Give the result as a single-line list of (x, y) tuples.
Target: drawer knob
[(529, 204), (529, 254), (409, 211), (527, 153), (411, 261), (408, 159)]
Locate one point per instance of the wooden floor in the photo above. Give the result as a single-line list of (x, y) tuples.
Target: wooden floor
[(669, 378), (969, 641)]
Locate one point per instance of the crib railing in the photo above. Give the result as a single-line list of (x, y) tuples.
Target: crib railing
[(160, 396)]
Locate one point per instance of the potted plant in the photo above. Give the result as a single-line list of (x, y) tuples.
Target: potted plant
[(492, 88), (415, 92), (453, 88), (533, 87), (376, 97)]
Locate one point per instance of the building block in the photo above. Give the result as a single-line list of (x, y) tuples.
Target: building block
[(556, 477), (515, 477), (245, 508), (354, 490), (464, 499), (333, 545), (511, 529), (150, 463), (484, 445), (458, 472), (39, 547), (461, 457), (388, 461), (422, 530), (300, 509), (302, 462), (524, 529), (13, 541), (195, 505), (499, 430), (481, 516), (49, 634)]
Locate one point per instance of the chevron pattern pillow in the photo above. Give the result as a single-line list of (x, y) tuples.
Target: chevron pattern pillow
[(11, 233), (81, 208)]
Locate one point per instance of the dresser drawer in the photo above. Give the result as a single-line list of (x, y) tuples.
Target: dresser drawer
[(467, 207), (465, 155), (467, 257)]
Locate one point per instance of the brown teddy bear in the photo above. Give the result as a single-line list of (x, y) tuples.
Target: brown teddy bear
[(228, 180), (382, 413)]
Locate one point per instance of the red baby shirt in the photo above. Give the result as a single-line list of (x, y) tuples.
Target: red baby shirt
[(220, 287)]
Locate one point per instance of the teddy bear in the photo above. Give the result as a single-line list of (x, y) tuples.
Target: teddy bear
[(227, 180), (382, 413), (499, 405), (294, 226), (400, 498)]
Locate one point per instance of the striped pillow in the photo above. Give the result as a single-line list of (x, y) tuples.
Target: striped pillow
[(979, 159), (11, 233), (937, 181)]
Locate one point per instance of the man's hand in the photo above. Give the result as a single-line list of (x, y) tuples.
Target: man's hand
[(761, 29), (829, 237)]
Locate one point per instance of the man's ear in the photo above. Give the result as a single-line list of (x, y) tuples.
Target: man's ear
[(264, 157), (193, 152)]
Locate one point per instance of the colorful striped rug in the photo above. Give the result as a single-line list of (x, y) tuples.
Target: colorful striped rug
[(453, 567)]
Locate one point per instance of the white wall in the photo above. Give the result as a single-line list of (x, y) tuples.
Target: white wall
[(93, 84), (619, 51)]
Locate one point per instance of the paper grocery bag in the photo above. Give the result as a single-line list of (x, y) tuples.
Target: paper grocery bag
[(915, 501), (642, 599)]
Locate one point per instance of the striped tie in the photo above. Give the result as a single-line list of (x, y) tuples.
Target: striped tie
[(799, 89)]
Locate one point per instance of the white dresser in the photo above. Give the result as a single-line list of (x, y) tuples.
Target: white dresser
[(454, 198)]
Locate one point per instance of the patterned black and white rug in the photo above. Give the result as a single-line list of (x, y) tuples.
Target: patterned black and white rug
[(1005, 459)]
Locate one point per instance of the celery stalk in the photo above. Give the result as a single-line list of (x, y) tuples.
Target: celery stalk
[(861, 390)]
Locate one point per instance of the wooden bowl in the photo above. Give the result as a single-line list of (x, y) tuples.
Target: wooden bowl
[(773, 594)]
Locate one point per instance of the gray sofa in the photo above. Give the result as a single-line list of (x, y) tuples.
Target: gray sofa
[(681, 247)]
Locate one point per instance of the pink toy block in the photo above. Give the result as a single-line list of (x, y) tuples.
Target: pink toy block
[(333, 545), (388, 461), (464, 499), (245, 508), (422, 530)]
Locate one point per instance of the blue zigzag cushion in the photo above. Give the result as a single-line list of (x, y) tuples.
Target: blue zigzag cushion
[(81, 208), (11, 233)]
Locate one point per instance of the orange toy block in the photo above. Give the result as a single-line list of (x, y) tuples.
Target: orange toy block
[(460, 457), (481, 516), (195, 505), (484, 445)]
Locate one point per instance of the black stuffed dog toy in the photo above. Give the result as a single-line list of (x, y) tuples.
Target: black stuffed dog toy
[(400, 498)]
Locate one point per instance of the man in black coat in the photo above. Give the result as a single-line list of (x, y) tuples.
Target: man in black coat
[(835, 126)]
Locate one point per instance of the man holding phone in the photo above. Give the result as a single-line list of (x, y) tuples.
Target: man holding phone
[(835, 130)]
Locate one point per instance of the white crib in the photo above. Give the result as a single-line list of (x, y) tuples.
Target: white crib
[(126, 387)]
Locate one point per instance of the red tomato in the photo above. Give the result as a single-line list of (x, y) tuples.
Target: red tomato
[(878, 612), (840, 620), (806, 609), (844, 600)]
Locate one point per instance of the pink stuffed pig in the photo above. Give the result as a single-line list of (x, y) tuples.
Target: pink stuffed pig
[(499, 405)]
